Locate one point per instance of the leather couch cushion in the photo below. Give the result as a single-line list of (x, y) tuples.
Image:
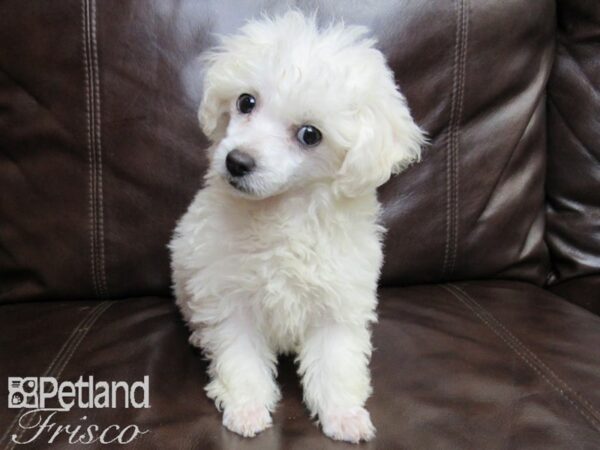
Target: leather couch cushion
[(584, 291), (573, 184), (473, 365), (101, 153)]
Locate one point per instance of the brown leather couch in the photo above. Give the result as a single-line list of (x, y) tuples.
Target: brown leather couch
[(489, 335)]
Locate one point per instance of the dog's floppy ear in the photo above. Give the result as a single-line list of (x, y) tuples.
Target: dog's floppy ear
[(388, 141), (210, 114), (213, 112)]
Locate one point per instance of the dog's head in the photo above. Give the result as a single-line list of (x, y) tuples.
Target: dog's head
[(287, 105)]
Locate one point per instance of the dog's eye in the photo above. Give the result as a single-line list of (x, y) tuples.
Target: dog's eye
[(246, 103), (309, 135)]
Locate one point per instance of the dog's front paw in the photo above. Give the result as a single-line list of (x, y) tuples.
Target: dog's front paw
[(247, 420), (350, 425)]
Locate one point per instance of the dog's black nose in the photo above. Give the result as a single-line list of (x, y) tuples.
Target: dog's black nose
[(239, 163)]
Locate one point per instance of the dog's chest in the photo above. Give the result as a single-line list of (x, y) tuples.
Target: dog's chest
[(282, 270), (290, 269), (287, 263)]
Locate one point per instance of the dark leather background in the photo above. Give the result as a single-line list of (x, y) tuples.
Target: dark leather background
[(496, 231), (89, 208), (467, 366), (573, 187)]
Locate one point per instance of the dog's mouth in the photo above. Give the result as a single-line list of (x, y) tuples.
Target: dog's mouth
[(239, 185), (245, 187), (236, 184), (242, 189)]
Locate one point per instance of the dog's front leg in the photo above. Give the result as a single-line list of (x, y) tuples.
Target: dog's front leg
[(242, 371), (334, 362)]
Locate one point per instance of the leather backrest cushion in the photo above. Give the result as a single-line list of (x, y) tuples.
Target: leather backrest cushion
[(573, 184), (100, 151)]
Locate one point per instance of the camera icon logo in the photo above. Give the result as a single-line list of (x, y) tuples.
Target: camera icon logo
[(22, 392)]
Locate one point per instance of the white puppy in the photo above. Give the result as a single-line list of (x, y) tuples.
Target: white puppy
[(281, 251)]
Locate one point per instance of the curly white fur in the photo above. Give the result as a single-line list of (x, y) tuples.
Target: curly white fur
[(289, 262)]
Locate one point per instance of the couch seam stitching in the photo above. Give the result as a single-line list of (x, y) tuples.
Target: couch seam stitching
[(84, 331), (453, 122), (452, 142), (90, 144), (524, 353), (98, 132), (533, 356), (68, 347), (461, 93), (80, 335), (449, 143)]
